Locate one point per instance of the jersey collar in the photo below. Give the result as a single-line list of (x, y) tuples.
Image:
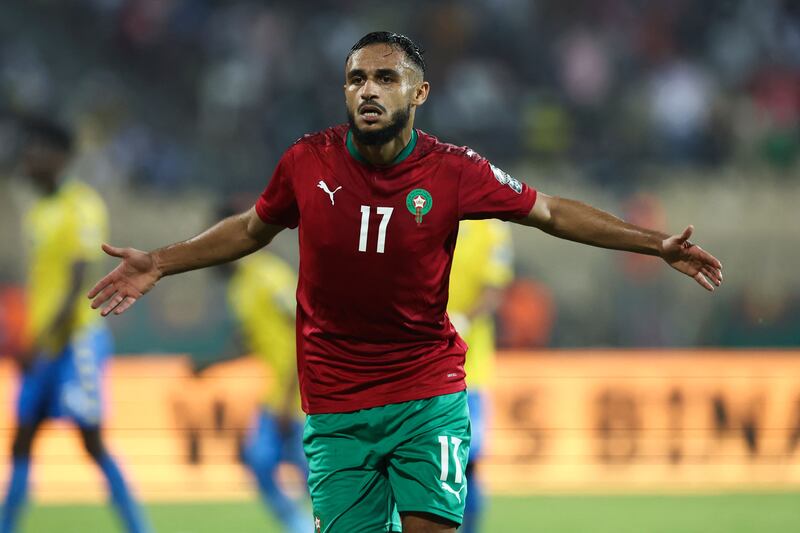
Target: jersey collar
[(351, 147)]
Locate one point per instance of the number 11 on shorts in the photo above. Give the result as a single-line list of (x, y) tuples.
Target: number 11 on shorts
[(445, 458)]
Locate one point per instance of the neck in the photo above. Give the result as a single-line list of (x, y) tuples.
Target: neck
[(48, 187), (384, 154)]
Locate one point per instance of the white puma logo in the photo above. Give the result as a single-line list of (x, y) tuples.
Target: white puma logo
[(324, 186), (449, 489)]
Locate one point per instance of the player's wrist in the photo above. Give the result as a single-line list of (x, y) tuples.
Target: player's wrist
[(659, 248), (657, 244), (158, 263)]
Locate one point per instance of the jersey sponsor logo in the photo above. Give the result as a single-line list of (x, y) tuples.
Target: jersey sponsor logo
[(324, 186), (456, 493), (505, 179), (419, 203)]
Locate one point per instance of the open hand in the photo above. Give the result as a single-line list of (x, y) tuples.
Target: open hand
[(133, 277), (692, 260)]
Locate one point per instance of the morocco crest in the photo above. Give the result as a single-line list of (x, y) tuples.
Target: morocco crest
[(419, 203)]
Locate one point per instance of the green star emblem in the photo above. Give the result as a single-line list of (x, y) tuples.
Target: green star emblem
[(419, 202)]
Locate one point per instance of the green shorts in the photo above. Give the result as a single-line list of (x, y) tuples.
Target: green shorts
[(368, 466)]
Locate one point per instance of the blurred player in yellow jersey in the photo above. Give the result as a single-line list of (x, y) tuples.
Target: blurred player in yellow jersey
[(482, 268), (261, 294), (67, 345)]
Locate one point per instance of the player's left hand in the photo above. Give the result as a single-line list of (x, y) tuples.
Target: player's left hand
[(692, 260)]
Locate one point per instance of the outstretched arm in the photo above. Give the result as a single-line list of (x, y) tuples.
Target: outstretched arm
[(228, 240), (579, 222)]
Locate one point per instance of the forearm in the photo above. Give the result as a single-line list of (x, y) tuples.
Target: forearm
[(139, 271), (579, 222), (228, 240)]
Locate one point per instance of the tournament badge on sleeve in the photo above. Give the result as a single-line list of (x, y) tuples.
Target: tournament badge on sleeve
[(419, 203)]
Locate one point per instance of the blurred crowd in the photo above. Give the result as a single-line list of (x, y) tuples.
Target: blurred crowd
[(170, 96), (173, 93)]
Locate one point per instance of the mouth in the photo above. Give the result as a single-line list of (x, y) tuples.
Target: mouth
[(370, 113)]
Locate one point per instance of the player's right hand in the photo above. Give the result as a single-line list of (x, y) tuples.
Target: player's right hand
[(133, 277)]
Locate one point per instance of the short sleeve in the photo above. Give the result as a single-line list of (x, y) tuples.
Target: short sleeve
[(85, 229), (89, 240), (278, 203), (485, 191)]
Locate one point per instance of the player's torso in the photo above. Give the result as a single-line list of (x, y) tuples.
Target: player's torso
[(375, 242), (467, 279), (48, 227), (261, 296), (482, 259), (47, 224), (56, 227)]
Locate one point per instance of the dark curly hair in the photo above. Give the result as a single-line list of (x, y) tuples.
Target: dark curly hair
[(37, 129)]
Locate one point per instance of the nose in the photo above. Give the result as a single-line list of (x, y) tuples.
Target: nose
[(369, 90)]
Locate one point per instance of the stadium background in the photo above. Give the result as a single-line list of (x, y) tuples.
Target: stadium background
[(626, 398)]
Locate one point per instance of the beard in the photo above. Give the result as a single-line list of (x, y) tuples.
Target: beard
[(398, 122)]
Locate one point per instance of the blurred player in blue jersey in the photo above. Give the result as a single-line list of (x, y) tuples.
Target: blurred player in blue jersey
[(482, 268), (67, 345), (261, 295)]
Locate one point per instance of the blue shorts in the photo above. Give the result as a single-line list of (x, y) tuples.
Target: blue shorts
[(266, 447), (69, 384), (476, 401)]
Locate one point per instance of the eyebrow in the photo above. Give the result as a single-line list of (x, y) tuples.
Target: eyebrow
[(387, 72), (379, 72)]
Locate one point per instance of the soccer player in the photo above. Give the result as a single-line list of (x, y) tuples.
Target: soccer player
[(481, 270), (261, 296), (68, 346), (380, 366)]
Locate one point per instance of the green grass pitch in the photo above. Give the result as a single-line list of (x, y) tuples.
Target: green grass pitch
[(726, 513)]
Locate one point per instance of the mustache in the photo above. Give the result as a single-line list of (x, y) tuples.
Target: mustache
[(372, 104), (397, 122)]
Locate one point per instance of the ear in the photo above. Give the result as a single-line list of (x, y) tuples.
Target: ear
[(421, 93)]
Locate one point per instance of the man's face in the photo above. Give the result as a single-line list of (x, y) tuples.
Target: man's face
[(43, 163), (382, 88)]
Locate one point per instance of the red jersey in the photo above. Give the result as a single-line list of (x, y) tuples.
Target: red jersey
[(376, 245)]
